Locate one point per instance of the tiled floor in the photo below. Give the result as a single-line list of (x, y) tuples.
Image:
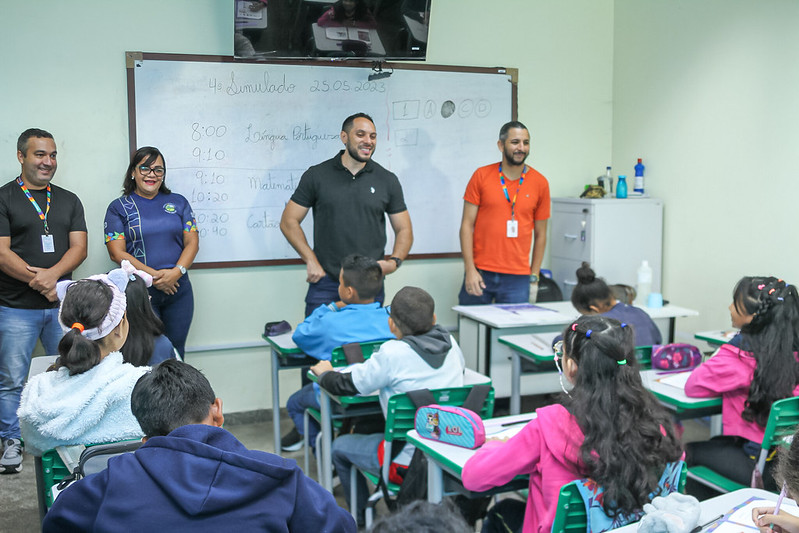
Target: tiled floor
[(18, 508)]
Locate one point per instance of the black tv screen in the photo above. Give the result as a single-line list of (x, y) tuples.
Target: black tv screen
[(346, 29)]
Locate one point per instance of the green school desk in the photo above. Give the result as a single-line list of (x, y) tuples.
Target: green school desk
[(716, 337), (357, 406), (446, 458), (285, 355), (718, 505), (481, 326), (536, 348)]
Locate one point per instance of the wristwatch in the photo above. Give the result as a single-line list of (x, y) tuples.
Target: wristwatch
[(181, 268), (534, 278), (397, 260)]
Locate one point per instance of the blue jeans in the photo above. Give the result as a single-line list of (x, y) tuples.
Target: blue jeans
[(360, 451), (298, 402), (325, 291), (500, 289), (176, 312), (19, 330)]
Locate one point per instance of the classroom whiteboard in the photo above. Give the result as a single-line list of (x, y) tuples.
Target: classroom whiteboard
[(237, 137)]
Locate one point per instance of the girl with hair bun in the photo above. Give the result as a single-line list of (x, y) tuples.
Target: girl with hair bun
[(749, 378), (609, 428), (592, 296), (85, 397)]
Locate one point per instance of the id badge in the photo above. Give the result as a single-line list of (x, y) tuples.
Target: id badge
[(48, 246), (513, 229)]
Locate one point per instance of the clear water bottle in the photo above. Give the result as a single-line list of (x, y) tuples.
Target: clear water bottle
[(608, 182), (621, 187)]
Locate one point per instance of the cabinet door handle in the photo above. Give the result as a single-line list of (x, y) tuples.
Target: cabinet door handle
[(572, 236)]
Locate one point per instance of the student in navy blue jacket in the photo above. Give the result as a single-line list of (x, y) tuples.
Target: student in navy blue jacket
[(190, 474)]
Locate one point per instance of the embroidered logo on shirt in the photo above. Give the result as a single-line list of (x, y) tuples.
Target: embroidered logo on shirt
[(373, 190), (170, 208)]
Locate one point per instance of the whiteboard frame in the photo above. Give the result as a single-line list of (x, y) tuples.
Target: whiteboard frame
[(131, 58)]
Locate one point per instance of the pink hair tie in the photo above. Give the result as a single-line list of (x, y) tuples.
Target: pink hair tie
[(772, 291), (574, 326), (761, 287)]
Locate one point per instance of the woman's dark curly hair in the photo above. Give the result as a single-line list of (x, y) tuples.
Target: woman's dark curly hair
[(629, 436), (772, 337)]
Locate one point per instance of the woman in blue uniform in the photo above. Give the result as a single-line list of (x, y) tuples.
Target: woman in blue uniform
[(155, 230)]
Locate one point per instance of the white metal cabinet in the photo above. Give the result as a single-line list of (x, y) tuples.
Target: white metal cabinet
[(613, 235)]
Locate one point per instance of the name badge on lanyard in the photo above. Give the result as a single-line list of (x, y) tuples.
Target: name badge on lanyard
[(48, 245), (513, 229), (512, 225)]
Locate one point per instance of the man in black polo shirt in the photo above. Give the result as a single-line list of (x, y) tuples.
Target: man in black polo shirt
[(350, 195)]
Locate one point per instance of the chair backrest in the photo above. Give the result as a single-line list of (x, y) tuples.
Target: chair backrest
[(571, 514), (401, 411), (92, 460), (782, 421), (95, 458), (644, 356), (338, 358), (40, 364)]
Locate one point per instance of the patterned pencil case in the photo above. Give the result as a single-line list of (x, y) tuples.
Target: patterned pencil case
[(675, 357), (451, 425)]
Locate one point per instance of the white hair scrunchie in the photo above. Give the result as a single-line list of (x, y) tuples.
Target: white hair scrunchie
[(117, 281)]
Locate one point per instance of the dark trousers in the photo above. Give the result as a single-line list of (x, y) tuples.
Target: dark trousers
[(175, 311), (732, 457)]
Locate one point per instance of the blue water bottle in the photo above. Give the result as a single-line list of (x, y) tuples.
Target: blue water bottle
[(621, 187), (638, 186)]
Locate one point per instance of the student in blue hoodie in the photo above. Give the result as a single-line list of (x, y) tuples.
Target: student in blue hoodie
[(357, 317), (190, 474)]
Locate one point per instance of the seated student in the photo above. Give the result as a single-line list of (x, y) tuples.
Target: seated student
[(749, 378), (85, 399), (422, 516), (192, 475), (609, 428), (423, 356), (786, 474), (357, 317), (146, 343), (592, 296)]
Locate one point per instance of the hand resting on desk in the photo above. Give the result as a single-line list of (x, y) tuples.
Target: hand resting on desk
[(321, 367), (783, 522)]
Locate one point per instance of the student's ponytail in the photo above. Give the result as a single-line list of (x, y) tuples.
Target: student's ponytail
[(629, 437), (772, 337), (85, 305)]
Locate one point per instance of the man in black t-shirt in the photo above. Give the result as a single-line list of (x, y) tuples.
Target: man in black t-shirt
[(350, 195), (42, 240)]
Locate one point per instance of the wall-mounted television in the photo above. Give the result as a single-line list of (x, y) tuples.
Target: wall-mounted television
[(343, 29)]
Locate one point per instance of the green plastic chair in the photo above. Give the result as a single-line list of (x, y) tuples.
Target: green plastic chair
[(400, 419), (644, 356), (782, 421), (337, 359), (51, 470), (571, 515)]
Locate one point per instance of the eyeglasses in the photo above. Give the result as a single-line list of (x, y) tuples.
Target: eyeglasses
[(158, 171)]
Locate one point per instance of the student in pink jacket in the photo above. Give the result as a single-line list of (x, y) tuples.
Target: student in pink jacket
[(750, 378), (609, 428)]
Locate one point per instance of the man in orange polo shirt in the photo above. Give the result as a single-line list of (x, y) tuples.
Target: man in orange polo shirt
[(505, 211)]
